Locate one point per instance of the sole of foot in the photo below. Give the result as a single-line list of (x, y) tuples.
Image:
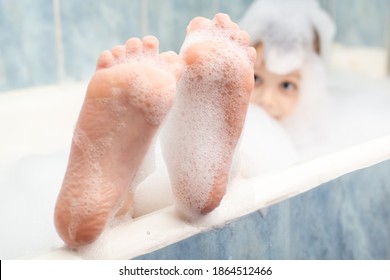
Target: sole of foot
[(206, 121), (127, 99)]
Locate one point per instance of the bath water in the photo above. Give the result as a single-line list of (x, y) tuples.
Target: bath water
[(357, 110)]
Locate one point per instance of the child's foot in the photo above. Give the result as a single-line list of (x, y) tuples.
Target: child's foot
[(207, 118), (127, 99)]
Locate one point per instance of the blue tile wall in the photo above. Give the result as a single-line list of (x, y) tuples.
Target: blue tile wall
[(362, 22), (347, 218), (29, 50), (168, 19), (90, 26), (235, 10), (27, 43)]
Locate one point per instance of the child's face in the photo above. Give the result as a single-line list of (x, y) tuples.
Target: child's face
[(277, 94)]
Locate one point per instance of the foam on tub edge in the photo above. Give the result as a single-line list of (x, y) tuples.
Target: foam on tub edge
[(163, 227)]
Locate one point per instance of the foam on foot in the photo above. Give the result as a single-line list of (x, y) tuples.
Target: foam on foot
[(207, 118), (127, 99)]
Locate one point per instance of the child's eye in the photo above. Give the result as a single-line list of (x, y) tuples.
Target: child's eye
[(288, 86), (258, 80)]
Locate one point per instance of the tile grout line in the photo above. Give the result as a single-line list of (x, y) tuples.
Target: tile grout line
[(58, 40)]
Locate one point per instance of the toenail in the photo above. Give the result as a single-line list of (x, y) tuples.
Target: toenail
[(197, 23)]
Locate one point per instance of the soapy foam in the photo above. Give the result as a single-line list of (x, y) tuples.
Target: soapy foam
[(147, 167), (89, 170), (286, 28), (204, 124), (355, 109), (312, 103), (30, 186), (146, 84), (154, 192), (154, 101), (29, 190), (265, 145), (352, 114)]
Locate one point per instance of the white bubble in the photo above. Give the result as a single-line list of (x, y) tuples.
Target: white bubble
[(200, 135)]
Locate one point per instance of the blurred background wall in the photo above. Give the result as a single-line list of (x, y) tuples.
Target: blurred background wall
[(54, 41)]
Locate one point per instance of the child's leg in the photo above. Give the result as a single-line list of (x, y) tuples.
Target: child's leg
[(209, 112), (127, 99)]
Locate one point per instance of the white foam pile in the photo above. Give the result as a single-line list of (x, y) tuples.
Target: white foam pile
[(286, 28), (357, 110), (354, 109), (28, 192)]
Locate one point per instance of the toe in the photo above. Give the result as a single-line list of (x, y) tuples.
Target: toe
[(105, 60), (243, 38), (252, 54), (150, 44), (198, 23), (170, 57), (174, 63), (249, 82), (234, 26), (133, 45), (222, 20), (118, 52), (197, 52)]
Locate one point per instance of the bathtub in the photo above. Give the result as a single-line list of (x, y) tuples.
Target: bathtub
[(335, 205)]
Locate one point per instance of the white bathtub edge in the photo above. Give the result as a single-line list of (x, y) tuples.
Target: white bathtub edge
[(162, 228)]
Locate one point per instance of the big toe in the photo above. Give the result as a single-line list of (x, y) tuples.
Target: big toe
[(196, 52), (105, 60), (198, 23)]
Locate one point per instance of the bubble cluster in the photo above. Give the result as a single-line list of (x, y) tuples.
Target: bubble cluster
[(265, 145), (155, 101), (206, 120), (87, 207), (287, 30), (150, 87), (118, 121)]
